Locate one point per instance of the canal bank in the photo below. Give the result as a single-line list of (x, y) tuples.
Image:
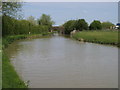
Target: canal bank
[(60, 62), (98, 36), (10, 79)]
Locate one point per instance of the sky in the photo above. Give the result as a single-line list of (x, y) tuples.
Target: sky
[(61, 12)]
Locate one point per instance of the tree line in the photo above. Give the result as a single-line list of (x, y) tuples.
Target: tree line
[(81, 25), (12, 24)]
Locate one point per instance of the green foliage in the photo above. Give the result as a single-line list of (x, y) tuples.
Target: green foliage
[(107, 25), (81, 24), (46, 20), (95, 25), (69, 26), (9, 39), (7, 25), (12, 26), (11, 8), (32, 20)]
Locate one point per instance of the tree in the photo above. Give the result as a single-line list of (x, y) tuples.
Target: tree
[(69, 26), (13, 26), (95, 25), (11, 8), (107, 25), (32, 20), (81, 24), (46, 20), (9, 13)]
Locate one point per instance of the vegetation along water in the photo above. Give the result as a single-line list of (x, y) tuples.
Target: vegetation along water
[(16, 28), (101, 37)]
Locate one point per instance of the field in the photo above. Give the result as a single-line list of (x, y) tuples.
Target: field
[(102, 37)]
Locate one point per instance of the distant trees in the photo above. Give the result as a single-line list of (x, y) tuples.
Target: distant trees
[(95, 25), (107, 25), (32, 20), (46, 21), (81, 24), (69, 26)]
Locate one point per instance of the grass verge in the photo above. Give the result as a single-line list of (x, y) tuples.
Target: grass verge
[(101, 37), (10, 79)]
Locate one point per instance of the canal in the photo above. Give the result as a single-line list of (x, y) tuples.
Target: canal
[(60, 62)]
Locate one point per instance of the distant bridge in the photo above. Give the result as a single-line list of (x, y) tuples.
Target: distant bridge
[(59, 29)]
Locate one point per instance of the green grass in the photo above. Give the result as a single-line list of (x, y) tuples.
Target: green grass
[(102, 37), (9, 39), (10, 78)]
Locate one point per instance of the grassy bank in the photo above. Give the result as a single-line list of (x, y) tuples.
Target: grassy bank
[(101, 37), (9, 39), (10, 79)]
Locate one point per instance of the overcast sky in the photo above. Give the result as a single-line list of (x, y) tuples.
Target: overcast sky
[(63, 11)]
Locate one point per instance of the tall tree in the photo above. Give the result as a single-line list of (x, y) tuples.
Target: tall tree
[(32, 20), (11, 8), (95, 25), (81, 24), (9, 12), (69, 26), (46, 20)]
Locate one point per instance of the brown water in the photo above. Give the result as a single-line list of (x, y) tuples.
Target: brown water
[(60, 62)]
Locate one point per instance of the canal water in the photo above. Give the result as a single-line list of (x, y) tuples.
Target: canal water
[(60, 62)]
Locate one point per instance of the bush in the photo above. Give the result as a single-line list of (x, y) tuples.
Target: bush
[(95, 25), (12, 26)]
